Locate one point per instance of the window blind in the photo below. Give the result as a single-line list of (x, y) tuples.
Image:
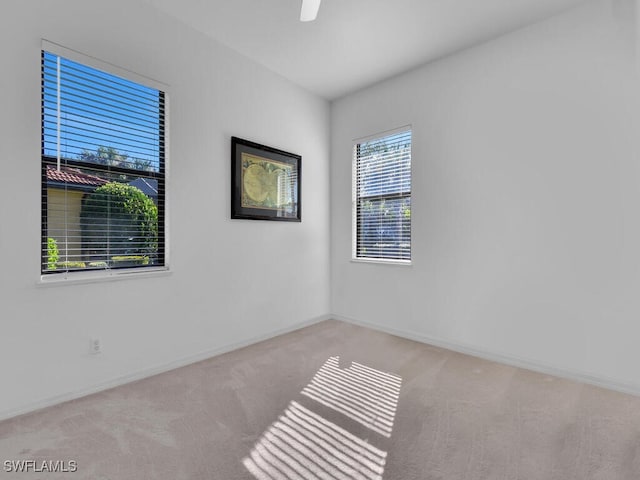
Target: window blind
[(382, 197), (103, 169)]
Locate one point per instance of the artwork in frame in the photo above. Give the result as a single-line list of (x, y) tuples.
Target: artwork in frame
[(265, 182)]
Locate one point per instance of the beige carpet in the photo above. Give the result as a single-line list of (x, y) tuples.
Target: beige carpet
[(334, 401)]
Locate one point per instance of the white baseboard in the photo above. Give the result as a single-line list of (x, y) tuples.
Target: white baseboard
[(608, 383), (514, 361), (149, 372)]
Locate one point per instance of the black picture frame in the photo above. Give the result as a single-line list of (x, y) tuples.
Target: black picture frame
[(265, 182)]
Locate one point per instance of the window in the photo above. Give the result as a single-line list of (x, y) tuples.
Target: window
[(103, 168), (382, 197)]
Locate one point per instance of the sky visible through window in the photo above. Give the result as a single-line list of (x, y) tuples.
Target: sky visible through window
[(385, 165), (98, 110)]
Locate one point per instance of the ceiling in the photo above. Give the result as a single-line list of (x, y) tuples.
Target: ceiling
[(354, 43)]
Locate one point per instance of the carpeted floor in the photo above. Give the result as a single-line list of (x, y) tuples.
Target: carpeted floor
[(334, 401)]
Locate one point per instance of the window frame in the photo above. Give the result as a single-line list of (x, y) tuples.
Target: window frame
[(356, 200), (98, 274)]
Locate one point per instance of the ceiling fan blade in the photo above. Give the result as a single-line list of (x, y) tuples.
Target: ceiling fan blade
[(309, 10)]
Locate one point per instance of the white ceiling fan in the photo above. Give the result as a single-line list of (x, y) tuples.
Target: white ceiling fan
[(309, 10)]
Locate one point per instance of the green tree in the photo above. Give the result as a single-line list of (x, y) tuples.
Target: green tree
[(105, 156), (111, 157), (140, 164), (118, 219), (52, 253)]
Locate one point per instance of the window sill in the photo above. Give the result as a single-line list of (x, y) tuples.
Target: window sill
[(382, 261), (75, 278)]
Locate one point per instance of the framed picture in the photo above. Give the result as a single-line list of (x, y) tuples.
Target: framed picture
[(265, 182)]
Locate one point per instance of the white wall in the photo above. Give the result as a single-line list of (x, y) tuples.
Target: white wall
[(526, 199), (231, 281)]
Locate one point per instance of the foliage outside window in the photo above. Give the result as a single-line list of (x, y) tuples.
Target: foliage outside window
[(103, 169), (382, 197)]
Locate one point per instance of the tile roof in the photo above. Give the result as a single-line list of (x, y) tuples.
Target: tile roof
[(73, 176)]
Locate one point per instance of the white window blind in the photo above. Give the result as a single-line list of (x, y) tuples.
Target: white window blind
[(382, 197), (103, 169)]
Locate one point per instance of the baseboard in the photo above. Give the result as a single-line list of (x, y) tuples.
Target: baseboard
[(149, 372), (514, 361)]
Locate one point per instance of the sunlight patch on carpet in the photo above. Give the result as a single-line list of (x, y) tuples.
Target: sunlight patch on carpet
[(303, 445), (366, 395)]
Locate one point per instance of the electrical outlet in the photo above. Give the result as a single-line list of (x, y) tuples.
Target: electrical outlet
[(95, 346)]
